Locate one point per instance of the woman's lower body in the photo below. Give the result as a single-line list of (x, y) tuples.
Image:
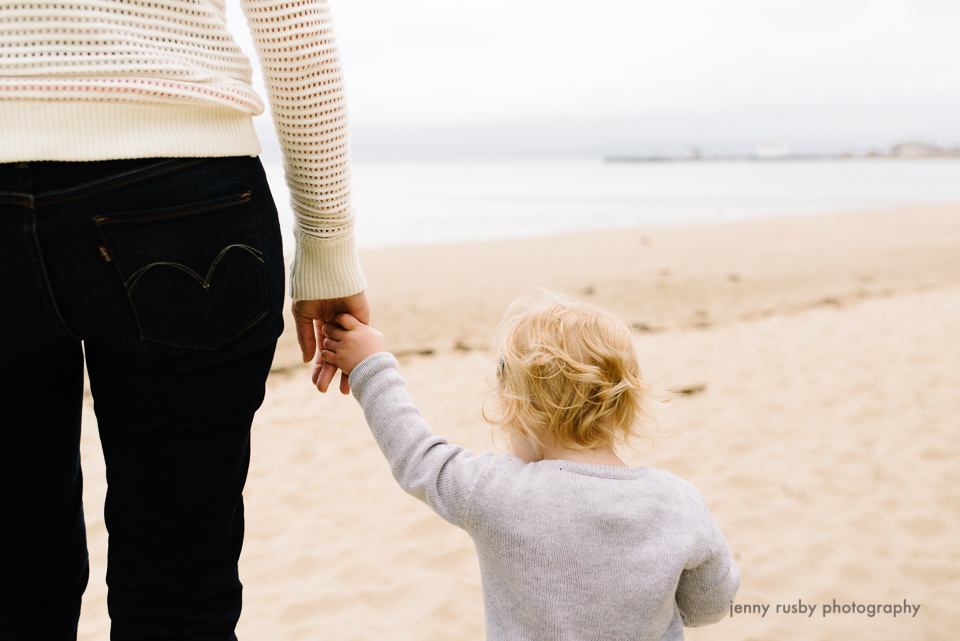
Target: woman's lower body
[(166, 275)]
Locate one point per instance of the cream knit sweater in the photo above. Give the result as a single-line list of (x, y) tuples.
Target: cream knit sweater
[(106, 79)]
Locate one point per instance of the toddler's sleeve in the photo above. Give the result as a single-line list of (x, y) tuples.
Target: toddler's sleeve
[(710, 582), (424, 464)]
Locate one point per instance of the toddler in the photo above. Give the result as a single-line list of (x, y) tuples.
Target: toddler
[(573, 543)]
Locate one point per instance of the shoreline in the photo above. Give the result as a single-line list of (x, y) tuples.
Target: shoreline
[(660, 278)]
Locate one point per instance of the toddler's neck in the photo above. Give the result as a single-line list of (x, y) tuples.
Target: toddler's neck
[(598, 456)]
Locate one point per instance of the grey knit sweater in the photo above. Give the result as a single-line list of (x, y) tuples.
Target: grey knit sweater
[(568, 551)]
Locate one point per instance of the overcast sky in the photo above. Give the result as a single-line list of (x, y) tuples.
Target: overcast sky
[(622, 76)]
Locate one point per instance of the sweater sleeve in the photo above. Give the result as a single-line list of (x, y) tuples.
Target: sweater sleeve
[(710, 582), (424, 464), (301, 65)]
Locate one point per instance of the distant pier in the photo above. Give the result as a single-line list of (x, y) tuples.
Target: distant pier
[(778, 152)]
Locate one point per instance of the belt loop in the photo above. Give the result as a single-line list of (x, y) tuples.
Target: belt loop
[(24, 179)]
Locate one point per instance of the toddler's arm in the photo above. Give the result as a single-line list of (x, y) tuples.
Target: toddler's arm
[(707, 588), (424, 464)]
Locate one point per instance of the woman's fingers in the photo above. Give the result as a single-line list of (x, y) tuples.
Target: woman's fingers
[(325, 375), (318, 366)]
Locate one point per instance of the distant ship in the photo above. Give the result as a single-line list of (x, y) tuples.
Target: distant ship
[(772, 149), (914, 149)]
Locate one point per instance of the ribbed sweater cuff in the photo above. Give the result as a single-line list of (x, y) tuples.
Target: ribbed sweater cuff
[(77, 130), (323, 269)]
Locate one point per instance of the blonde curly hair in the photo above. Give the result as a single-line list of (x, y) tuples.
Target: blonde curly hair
[(568, 376)]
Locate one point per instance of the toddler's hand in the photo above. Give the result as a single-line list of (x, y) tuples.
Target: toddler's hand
[(348, 342)]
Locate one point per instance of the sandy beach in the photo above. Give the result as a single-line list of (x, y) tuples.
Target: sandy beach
[(821, 356)]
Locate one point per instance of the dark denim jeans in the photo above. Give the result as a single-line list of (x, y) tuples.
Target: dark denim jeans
[(167, 275)]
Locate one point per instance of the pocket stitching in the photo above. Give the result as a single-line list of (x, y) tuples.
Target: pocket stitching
[(127, 218), (131, 282)]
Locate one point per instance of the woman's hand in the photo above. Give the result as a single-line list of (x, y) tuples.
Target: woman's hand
[(309, 316), (347, 342)]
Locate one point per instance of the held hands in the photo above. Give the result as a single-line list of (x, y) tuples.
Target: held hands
[(347, 342), (309, 317)]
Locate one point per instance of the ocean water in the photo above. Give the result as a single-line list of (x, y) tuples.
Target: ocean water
[(411, 203)]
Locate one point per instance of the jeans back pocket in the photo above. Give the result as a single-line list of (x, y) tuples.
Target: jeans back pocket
[(194, 274)]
